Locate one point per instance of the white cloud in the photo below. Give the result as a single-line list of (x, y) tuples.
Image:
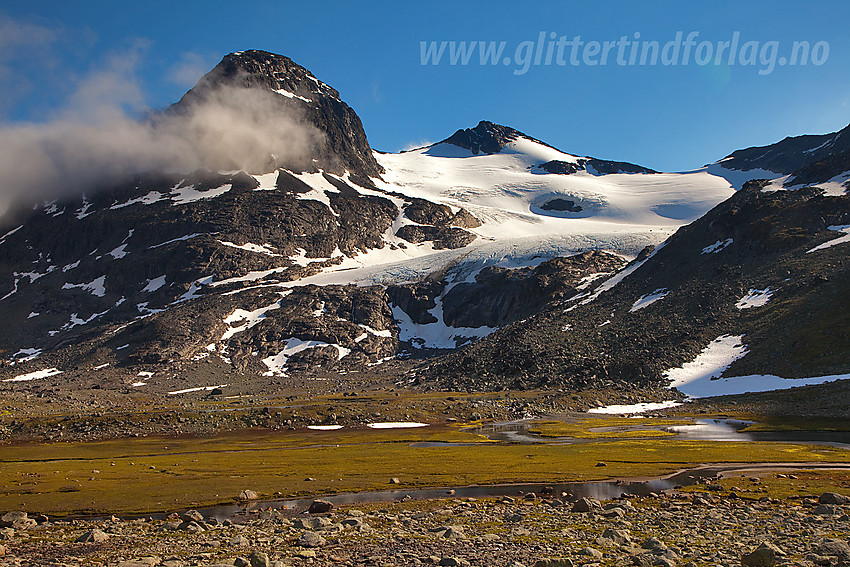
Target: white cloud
[(96, 139)]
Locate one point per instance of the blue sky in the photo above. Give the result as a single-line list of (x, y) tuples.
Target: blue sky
[(55, 55)]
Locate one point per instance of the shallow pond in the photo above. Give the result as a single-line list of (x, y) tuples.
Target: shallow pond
[(732, 430), (702, 430)]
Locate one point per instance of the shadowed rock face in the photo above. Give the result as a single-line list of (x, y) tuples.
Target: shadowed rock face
[(822, 170), (500, 296), (417, 299), (345, 145)]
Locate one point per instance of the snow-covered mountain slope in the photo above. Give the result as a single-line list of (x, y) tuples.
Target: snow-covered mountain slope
[(525, 212), (515, 197)]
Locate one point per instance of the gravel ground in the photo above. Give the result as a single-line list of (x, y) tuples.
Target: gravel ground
[(712, 528)]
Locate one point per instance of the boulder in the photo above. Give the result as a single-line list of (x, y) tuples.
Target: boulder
[(311, 539), (149, 561), (833, 498), (248, 495), (320, 507), (258, 559), (585, 505), (590, 552), (654, 544), (451, 532), (192, 516), (310, 524), (834, 548), (17, 520), (620, 537), (765, 555), (191, 527)]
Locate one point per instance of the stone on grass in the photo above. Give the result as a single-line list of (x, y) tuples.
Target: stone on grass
[(615, 512), (833, 498), (191, 526), (765, 555), (654, 544), (140, 562), (310, 524), (451, 532), (248, 495)]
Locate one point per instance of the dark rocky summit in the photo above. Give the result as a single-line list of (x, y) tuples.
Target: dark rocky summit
[(490, 138), (487, 137), (318, 104)]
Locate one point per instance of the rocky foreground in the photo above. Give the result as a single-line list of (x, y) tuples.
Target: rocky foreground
[(715, 527)]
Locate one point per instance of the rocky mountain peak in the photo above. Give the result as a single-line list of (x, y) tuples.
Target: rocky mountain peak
[(261, 68), (292, 89), (487, 137), (490, 138)]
